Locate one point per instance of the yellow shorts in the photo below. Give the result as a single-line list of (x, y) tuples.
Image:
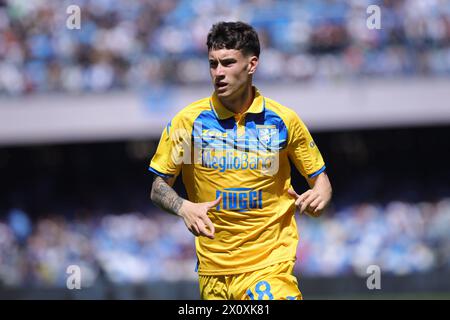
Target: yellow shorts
[(275, 282)]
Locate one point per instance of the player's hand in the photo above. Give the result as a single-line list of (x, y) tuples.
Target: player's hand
[(311, 202), (195, 216)]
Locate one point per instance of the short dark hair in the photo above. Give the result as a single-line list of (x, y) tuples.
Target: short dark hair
[(233, 35)]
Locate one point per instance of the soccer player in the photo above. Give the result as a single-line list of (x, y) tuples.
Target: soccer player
[(233, 150)]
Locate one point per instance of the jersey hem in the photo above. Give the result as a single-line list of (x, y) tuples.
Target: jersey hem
[(241, 270), (312, 175), (164, 175)]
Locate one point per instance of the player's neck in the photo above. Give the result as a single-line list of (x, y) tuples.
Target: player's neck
[(241, 102)]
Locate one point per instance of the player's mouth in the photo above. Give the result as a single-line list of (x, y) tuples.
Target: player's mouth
[(221, 85)]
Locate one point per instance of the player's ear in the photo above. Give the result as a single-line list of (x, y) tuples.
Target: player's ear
[(252, 64)]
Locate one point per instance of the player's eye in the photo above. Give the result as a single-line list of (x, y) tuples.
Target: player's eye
[(213, 64), (227, 63)]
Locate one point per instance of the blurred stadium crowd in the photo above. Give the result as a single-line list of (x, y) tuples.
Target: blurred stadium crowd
[(133, 44), (400, 237)]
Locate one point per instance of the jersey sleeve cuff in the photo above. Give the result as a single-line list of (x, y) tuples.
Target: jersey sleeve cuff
[(163, 175), (317, 172)]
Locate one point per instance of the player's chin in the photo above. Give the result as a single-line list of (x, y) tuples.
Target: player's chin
[(222, 92), (226, 91)]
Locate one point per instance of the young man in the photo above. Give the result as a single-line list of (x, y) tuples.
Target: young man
[(233, 150)]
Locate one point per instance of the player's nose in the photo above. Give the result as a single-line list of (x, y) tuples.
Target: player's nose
[(220, 71)]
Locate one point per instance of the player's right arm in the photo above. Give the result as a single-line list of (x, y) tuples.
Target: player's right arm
[(166, 165), (195, 215), (164, 196)]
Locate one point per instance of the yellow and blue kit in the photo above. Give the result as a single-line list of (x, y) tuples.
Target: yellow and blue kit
[(245, 159)]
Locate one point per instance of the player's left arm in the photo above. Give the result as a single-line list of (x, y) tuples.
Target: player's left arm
[(304, 153), (315, 200)]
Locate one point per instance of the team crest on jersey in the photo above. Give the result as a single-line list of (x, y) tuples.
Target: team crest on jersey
[(267, 134)]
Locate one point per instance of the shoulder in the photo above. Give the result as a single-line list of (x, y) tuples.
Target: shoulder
[(188, 114), (288, 115)]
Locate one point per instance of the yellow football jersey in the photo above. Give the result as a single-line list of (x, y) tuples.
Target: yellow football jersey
[(245, 159)]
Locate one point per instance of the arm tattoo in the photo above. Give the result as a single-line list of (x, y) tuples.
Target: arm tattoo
[(165, 197)]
